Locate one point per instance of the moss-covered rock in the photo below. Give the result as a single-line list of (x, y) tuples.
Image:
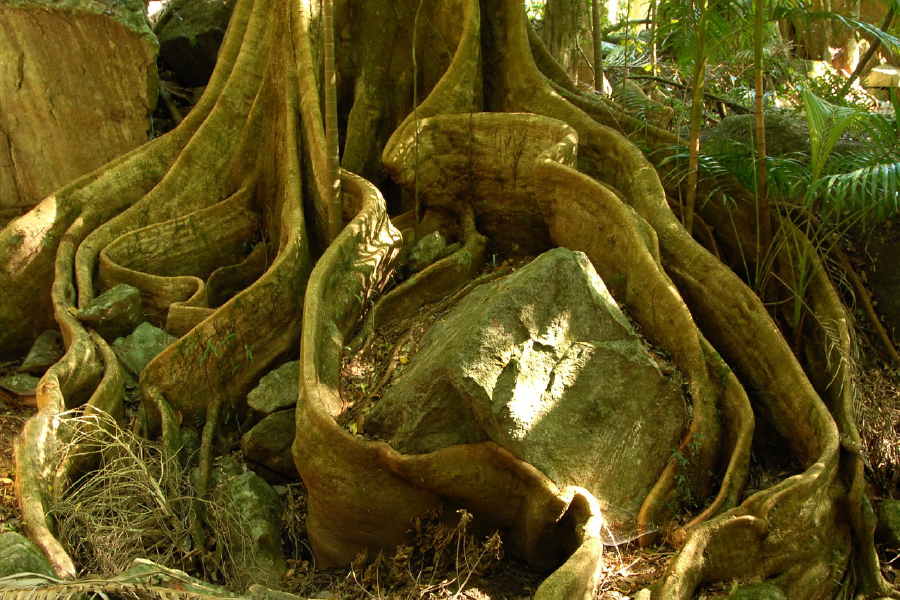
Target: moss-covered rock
[(19, 555), (190, 33), (78, 83), (888, 527)]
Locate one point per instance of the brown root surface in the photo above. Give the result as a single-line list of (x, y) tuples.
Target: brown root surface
[(219, 222)]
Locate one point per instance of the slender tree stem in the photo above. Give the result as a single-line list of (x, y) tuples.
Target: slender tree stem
[(335, 208), (888, 18), (598, 45), (696, 116), (764, 233), (418, 206)]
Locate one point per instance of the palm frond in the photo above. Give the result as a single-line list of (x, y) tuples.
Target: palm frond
[(873, 187)]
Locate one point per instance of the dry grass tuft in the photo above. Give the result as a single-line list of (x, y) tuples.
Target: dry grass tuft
[(138, 503), (879, 424)]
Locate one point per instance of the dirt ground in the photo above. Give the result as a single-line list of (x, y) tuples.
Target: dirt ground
[(12, 418)]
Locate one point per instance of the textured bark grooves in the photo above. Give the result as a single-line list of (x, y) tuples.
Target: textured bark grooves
[(248, 168)]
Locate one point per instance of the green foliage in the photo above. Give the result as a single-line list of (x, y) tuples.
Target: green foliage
[(840, 186), (867, 180)]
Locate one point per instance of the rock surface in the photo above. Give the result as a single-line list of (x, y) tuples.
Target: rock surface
[(46, 350), (543, 363), (21, 384), (277, 390), (426, 251), (784, 135), (78, 83), (138, 349), (757, 591), (884, 76), (256, 508), (190, 33), (269, 443), (114, 313), (19, 555), (888, 528)]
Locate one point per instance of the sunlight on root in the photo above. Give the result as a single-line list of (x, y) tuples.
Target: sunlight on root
[(30, 235)]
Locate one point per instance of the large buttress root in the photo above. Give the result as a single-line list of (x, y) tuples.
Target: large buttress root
[(246, 169), (195, 185)]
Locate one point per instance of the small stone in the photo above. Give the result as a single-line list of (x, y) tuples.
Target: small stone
[(269, 443), (19, 555), (324, 595), (888, 528), (46, 351), (758, 591), (260, 592), (22, 385), (115, 313), (276, 391), (150, 573), (253, 506), (429, 249), (138, 349)]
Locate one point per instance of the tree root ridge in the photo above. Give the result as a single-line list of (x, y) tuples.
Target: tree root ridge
[(246, 169)]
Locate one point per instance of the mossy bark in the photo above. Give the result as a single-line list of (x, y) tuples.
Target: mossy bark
[(249, 164)]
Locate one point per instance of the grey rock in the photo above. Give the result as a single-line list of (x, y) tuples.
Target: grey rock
[(429, 249), (884, 76), (22, 385), (785, 135), (46, 351), (151, 573), (19, 555), (887, 529), (269, 443), (224, 469), (545, 364), (114, 313), (190, 33), (138, 349), (259, 592), (252, 505), (55, 126), (276, 391), (758, 591)]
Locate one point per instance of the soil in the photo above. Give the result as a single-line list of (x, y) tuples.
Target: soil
[(12, 418)]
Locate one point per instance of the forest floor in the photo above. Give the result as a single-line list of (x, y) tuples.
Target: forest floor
[(447, 559)]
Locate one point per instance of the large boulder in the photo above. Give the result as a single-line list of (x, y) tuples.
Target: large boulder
[(190, 33), (78, 83), (545, 364), (785, 135)]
